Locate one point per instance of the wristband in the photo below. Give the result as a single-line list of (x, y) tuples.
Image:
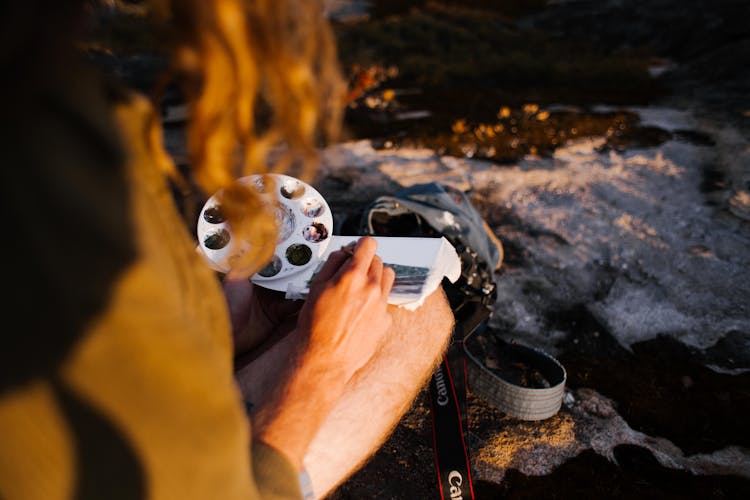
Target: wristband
[(305, 485)]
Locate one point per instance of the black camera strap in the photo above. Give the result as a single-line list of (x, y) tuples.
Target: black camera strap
[(421, 211), (452, 461), (449, 407)]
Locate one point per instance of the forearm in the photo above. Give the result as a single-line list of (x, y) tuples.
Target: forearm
[(308, 393), (339, 328)]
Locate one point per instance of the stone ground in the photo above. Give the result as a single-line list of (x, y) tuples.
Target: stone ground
[(627, 262), (616, 265)]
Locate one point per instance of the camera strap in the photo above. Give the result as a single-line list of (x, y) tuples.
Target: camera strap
[(451, 454), (449, 408)]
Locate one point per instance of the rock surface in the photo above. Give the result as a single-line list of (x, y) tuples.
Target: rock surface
[(630, 265), (607, 254)]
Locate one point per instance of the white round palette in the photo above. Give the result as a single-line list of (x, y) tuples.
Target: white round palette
[(305, 229)]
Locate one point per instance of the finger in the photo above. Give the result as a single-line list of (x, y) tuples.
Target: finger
[(364, 252), (333, 264), (375, 273), (349, 247), (386, 283)]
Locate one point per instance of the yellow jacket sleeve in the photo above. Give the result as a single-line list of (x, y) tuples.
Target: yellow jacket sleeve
[(118, 383)]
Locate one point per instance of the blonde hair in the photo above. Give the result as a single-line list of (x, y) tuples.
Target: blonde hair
[(261, 77)]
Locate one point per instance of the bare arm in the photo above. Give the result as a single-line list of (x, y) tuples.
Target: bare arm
[(339, 329)]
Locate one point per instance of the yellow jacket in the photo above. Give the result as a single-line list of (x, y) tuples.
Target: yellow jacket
[(117, 374)]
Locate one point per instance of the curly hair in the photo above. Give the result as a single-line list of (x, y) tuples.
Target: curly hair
[(264, 88), (261, 78)]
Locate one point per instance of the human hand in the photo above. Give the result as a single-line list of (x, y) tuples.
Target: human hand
[(257, 313), (345, 312), (339, 329)]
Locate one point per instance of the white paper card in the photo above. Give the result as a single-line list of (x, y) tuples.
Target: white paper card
[(420, 265)]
